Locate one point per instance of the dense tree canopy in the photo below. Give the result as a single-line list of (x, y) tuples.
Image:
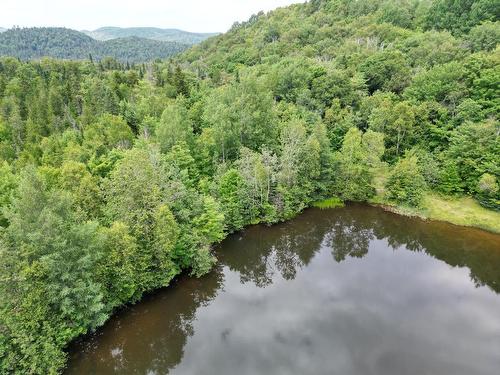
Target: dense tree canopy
[(166, 35), (37, 42), (115, 178)]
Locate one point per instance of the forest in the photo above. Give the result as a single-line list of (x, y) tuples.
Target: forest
[(115, 178), (61, 43), (166, 35)]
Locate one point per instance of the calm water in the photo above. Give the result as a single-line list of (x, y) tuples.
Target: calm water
[(351, 291)]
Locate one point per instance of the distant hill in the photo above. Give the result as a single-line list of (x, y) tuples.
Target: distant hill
[(134, 49), (165, 35), (33, 43), (2, 29)]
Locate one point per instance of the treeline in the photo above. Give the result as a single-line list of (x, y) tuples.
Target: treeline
[(166, 35), (423, 73), (35, 43), (116, 178)]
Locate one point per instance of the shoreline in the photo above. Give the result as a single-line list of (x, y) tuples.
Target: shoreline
[(468, 213), (377, 202)]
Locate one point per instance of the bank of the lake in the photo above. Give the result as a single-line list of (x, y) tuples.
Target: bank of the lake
[(354, 290), (458, 210), (463, 211)]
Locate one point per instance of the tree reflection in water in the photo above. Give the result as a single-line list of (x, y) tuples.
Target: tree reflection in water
[(151, 337), (114, 348), (287, 247)]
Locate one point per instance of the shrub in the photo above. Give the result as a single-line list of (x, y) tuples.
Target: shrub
[(406, 184)]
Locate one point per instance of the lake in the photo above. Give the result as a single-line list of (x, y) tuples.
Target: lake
[(355, 290)]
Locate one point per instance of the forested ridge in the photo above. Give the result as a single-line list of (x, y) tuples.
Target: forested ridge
[(155, 33), (62, 43), (115, 178)]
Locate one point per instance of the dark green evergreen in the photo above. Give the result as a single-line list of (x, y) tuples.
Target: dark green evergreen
[(38, 42)]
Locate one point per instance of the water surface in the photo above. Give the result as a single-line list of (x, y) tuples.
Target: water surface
[(349, 291)]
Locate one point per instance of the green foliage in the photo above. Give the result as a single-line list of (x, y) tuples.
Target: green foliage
[(487, 185), (241, 115), (211, 221), (460, 16), (449, 178), (174, 126), (484, 37), (122, 265), (386, 70), (338, 121), (430, 168), (406, 184), (443, 83), (432, 48), (488, 192), (8, 184), (57, 296), (397, 121), (136, 50), (76, 179), (35, 43), (334, 202), (359, 154), (132, 192), (399, 14), (166, 35), (107, 133), (116, 177), (232, 193), (475, 149)]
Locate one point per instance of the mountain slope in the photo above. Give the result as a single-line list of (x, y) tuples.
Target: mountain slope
[(166, 35), (329, 30), (34, 43), (2, 29), (134, 49), (422, 73), (29, 43)]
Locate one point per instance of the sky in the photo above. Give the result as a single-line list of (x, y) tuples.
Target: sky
[(189, 15)]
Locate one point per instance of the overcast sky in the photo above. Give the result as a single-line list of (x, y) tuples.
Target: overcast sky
[(190, 15)]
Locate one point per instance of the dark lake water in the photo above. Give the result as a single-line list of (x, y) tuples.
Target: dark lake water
[(349, 291)]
